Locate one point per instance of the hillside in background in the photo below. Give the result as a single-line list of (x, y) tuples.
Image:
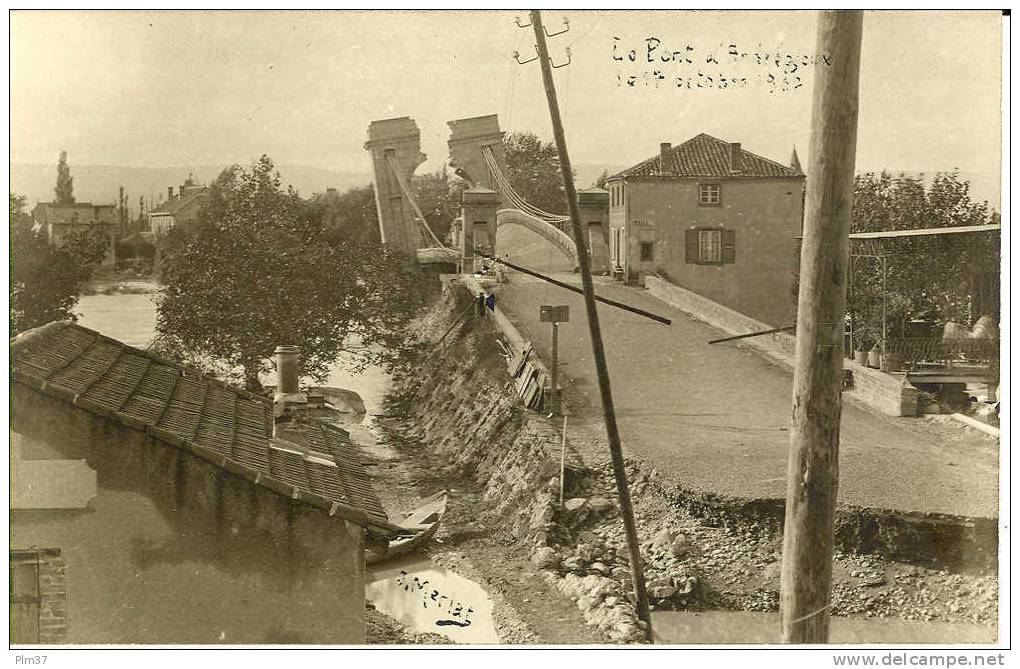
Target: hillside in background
[(99, 183)]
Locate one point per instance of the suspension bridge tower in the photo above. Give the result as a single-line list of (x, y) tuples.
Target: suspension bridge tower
[(469, 137), (395, 145)]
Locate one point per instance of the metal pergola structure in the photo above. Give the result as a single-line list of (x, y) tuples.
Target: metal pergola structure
[(873, 245)]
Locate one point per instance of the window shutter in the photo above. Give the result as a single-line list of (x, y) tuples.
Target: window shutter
[(691, 245), (729, 246)]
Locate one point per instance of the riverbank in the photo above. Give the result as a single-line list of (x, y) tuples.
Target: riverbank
[(524, 607), (457, 423)]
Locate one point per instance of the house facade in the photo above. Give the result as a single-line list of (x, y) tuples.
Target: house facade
[(178, 208), (714, 218), (151, 505), (60, 220)]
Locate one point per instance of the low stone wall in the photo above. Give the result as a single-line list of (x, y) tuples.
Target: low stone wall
[(890, 394)]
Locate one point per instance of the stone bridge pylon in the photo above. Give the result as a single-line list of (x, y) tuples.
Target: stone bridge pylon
[(488, 202), (396, 142)]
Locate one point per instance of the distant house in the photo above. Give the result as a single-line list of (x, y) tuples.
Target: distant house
[(179, 208), (715, 219), (150, 504), (60, 220)]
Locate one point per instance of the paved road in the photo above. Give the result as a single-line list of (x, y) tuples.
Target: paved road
[(716, 417)]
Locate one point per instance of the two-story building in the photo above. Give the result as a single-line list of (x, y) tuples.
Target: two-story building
[(61, 220), (714, 218), (179, 207)]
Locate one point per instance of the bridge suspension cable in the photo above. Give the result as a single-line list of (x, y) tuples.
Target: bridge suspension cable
[(512, 196), (428, 237)]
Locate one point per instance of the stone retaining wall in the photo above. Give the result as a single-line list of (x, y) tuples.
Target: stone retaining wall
[(891, 394)]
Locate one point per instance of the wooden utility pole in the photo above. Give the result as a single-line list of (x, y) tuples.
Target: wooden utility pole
[(813, 472), (599, 353)]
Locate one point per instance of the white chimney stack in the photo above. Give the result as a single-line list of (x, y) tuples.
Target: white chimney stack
[(287, 389)]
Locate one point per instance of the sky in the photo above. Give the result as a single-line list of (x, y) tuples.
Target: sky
[(162, 88)]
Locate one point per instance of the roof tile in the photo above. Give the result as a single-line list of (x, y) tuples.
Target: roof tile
[(106, 377), (706, 156)]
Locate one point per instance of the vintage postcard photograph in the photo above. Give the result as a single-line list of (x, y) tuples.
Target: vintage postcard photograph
[(438, 330)]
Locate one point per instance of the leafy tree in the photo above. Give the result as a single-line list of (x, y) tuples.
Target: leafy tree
[(261, 267), (122, 212), (143, 221), (533, 169), (351, 214), (45, 280), (65, 182), (926, 276), (439, 200), (600, 182)]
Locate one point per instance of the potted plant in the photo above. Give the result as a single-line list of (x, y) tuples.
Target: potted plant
[(875, 355), (863, 342)]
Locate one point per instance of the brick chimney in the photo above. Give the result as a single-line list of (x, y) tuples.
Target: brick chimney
[(734, 156), (665, 164)]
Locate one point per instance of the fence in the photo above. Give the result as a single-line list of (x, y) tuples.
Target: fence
[(915, 352)]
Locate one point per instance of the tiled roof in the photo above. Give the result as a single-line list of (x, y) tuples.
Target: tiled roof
[(706, 156), (175, 204), (229, 427), (332, 461)]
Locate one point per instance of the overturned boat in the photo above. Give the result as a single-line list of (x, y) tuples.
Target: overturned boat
[(423, 521)]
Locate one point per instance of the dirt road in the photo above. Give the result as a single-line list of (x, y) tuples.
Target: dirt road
[(716, 417)]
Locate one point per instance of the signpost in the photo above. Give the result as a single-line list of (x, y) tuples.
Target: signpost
[(555, 315)]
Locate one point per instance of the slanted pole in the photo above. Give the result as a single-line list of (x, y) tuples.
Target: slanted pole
[(813, 472), (598, 350)]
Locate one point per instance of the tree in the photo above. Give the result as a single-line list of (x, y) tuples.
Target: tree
[(600, 182), (143, 220), (260, 267), (439, 200), (926, 276), (65, 182), (351, 214), (46, 281), (122, 212), (533, 169)]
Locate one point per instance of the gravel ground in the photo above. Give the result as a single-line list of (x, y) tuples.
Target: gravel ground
[(527, 609), (739, 570), (380, 629)]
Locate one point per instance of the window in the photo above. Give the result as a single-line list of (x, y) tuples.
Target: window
[(711, 246), (708, 194), (647, 251)]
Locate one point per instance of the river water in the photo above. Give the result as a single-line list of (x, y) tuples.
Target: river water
[(131, 318)]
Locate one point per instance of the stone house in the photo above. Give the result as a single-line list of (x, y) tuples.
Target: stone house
[(714, 218), (178, 208), (151, 504), (60, 220)]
